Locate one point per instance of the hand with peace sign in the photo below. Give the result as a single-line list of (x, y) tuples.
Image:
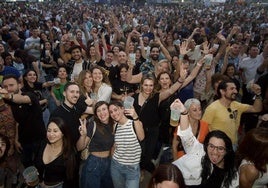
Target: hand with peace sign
[(83, 128)]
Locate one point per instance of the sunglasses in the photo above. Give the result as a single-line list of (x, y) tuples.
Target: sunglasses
[(233, 114)]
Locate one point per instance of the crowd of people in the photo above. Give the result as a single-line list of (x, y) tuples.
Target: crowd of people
[(66, 70)]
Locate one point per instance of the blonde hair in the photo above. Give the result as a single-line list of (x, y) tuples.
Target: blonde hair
[(81, 79)]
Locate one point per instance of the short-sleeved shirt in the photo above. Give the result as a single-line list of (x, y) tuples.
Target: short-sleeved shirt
[(71, 117), (219, 118)]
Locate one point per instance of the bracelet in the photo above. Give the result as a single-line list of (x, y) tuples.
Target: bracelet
[(180, 81), (185, 112), (136, 119), (181, 57)]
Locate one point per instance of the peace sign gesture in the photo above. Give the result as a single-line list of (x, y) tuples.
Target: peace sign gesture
[(83, 127)]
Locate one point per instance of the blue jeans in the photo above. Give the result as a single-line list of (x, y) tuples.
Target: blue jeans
[(125, 176), (96, 173)]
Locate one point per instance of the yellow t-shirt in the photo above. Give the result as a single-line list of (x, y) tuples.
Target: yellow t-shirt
[(219, 118)]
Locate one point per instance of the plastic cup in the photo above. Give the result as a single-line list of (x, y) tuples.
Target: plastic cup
[(174, 116), (132, 58), (128, 102), (30, 175), (56, 80)]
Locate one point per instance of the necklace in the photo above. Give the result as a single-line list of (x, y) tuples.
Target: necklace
[(145, 97)]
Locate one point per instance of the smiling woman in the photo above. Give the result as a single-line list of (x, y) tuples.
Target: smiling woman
[(101, 85), (125, 167), (56, 162), (96, 170), (210, 164)]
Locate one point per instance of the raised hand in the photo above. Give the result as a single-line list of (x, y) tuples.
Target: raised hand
[(178, 104), (131, 112), (196, 30), (88, 100), (256, 89), (183, 48), (221, 37), (83, 128)]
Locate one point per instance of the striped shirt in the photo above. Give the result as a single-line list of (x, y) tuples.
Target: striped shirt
[(127, 147)]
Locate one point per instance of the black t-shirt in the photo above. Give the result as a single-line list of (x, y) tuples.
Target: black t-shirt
[(71, 118), (112, 71), (29, 116), (121, 87)]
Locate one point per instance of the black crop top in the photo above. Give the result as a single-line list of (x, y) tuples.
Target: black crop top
[(54, 171), (103, 139)]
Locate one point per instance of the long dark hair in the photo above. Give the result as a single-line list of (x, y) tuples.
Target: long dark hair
[(167, 172), (229, 159), (68, 149), (25, 82), (254, 147)]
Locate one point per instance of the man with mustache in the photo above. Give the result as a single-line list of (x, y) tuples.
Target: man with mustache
[(224, 114)]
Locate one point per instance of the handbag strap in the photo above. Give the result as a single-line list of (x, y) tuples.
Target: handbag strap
[(93, 132)]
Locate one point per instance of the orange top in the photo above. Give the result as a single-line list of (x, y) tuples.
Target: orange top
[(203, 131)]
